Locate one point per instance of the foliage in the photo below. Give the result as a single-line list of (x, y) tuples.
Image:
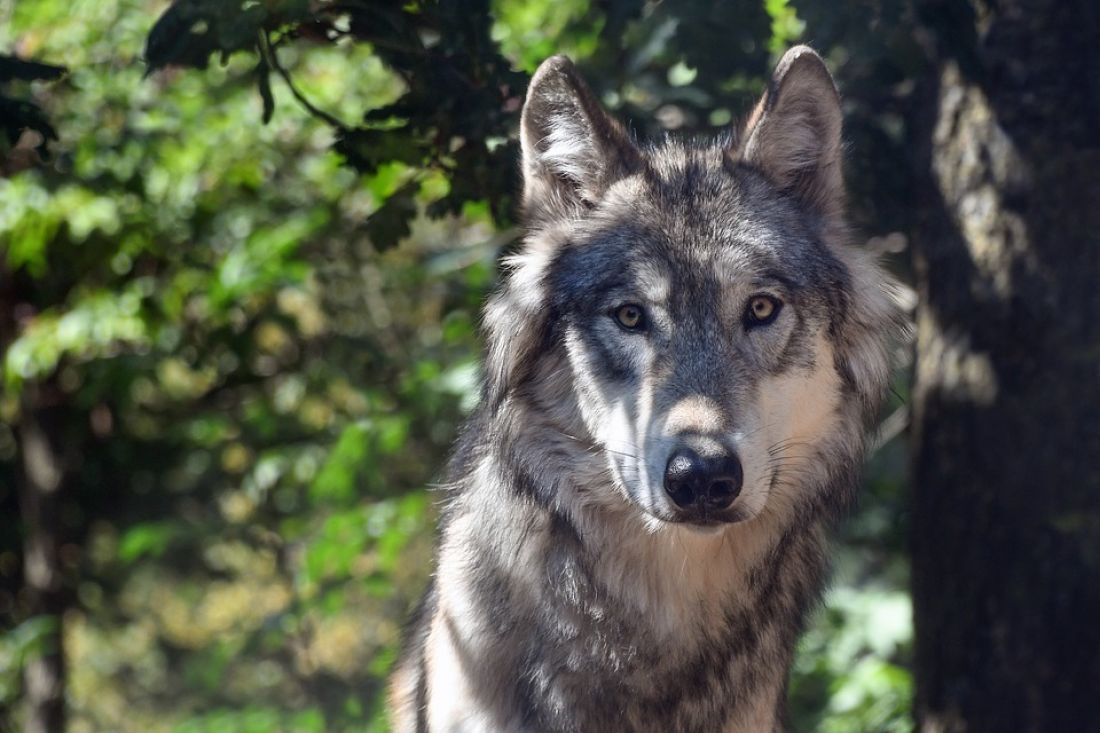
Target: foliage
[(453, 114), (250, 276)]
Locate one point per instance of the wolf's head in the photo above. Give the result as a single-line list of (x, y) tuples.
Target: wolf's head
[(691, 313)]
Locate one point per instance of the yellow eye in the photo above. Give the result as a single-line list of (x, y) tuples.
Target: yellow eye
[(762, 310), (630, 316)]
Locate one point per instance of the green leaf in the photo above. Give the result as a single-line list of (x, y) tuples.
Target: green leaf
[(336, 480), (150, 539), (308, 721), (787, 28)]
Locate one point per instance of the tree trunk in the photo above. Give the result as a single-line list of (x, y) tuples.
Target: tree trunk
[(40, 503), (1006, 467)]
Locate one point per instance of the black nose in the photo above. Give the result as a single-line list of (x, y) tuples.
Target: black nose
[(703, 483)]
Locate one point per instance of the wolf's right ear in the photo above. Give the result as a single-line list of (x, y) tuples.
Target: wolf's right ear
[(793, 135), (572, 149)]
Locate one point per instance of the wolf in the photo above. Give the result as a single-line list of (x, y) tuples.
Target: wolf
[(682, 364)]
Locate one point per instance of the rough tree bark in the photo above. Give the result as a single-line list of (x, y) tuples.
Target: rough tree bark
[(1006, 471)]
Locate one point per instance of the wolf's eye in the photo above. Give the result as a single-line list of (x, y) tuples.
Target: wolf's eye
[(630, 316), (761, 310)]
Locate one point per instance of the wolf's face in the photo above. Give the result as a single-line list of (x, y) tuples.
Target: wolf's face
[(694, 308), (716, 332)]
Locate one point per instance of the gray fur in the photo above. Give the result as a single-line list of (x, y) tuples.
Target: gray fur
[(570, 593)]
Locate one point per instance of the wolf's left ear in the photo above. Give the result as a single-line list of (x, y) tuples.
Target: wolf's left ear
[(793, 135), (572, 149)]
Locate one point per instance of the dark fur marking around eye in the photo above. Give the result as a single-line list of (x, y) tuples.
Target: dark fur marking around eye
[(609, 363), (582, 274)]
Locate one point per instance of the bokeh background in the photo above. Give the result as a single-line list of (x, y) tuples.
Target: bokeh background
[(243, 248)]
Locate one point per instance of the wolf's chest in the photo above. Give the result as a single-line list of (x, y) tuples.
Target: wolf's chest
[(592, 658), (608, 675)]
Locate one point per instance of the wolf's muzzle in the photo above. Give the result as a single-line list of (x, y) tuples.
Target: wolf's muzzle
[(700, 486)]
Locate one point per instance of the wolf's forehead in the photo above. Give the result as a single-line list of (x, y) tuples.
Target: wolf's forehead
[(697, 198), (695, 273), (694, 209), (689, 222), (708, 235)]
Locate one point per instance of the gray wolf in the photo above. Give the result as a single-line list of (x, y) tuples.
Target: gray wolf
[(682, 364)]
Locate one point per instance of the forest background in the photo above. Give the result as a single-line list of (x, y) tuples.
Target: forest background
[(243, 248)]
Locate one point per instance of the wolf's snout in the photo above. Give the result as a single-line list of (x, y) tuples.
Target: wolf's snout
[(702, 484)]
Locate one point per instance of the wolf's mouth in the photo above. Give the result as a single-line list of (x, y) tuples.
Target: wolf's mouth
[(712, 520)]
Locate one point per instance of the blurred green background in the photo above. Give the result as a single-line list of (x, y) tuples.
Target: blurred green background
[(239, 349)]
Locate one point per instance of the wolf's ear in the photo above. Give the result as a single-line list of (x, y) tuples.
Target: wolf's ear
[(793, 135), (572, 149)]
